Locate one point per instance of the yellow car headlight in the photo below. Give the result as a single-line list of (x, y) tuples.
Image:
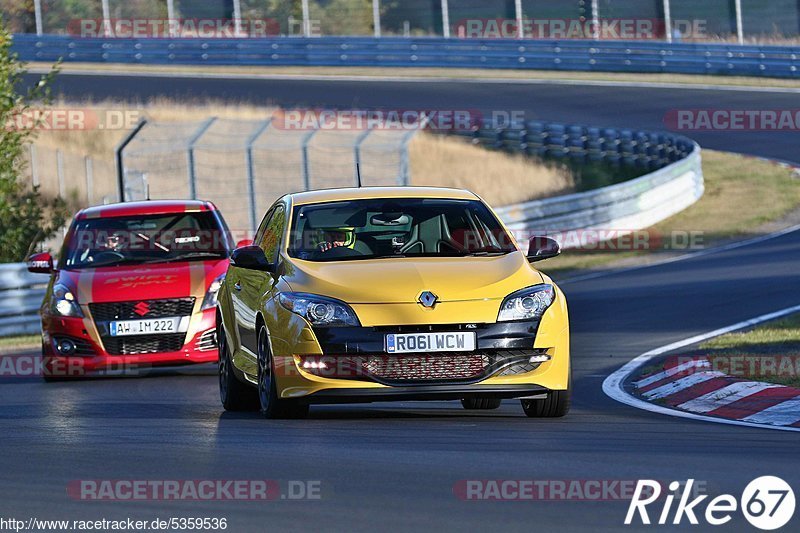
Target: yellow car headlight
[(319, 310), (527, 304)]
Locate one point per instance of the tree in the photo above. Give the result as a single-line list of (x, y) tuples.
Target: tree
[(26, 217)]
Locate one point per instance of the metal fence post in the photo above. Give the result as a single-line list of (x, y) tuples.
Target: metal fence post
[(34, 167), (190, 154), (306, 20), (89, 164), (445, 19), (668, 20), (106, 19), (404, 177), (376, 16), (60, 172), (237, 17), (596, 20), (304, 150), (251, 179), (739, 24), (171, 17), (518, 14), (357, 155), (118, 156), (37, 10)]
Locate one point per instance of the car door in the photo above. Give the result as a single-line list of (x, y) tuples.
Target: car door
[(245, 294)]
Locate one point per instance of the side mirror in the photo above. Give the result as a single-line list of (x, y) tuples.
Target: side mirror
[(251, 258), (541, 248), (244, 242), (40, 263)]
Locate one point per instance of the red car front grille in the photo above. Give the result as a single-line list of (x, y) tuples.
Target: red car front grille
[(141, 309), (144, 344)]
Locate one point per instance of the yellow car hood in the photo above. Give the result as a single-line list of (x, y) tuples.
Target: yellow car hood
[(402, 280)]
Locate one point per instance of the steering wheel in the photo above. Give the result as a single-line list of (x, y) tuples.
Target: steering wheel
[(109, 255)]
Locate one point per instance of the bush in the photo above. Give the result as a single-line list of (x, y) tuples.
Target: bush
[(26, 218)]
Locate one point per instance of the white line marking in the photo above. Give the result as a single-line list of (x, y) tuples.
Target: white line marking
[(782, 414), (420, 79), (725, 396), (691, 255), (613, 384), (677, 369), (680, 384)]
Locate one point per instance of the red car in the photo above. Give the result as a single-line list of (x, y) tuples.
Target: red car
[(136, 285)]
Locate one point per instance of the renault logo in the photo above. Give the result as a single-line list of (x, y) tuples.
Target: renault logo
[(428, 299)]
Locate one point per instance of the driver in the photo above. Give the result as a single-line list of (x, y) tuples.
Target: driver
[(113, 242), (336, 238)]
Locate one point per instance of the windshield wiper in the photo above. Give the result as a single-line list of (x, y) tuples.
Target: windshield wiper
[(114, 262), (486, 253), (188, 256)]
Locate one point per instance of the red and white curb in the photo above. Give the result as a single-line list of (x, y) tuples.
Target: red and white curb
[(691, 386), (690, 389)]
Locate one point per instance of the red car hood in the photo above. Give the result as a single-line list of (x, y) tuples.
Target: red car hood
[(139, 282)]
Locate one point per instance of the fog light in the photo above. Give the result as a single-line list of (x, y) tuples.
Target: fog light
[(542, 358), (65, 347), (314, 365)]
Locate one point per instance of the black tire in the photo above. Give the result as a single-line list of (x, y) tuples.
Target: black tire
[(271, 405), (555, 405), (234, 395), (481, 404)]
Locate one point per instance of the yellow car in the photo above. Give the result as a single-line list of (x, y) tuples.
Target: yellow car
[(396, 293)]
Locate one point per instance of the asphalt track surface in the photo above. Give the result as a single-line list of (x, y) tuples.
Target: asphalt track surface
[(394, 466)]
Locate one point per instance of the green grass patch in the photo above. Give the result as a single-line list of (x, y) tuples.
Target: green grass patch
[(769, 353), (20, 342)]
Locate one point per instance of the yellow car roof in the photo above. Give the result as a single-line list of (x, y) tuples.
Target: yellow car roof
[(366, 193)]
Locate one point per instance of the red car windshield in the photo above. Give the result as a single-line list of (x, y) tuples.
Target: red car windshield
[(145, 239)]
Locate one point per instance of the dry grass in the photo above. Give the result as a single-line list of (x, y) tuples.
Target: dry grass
[(498, 177), (101, 143)]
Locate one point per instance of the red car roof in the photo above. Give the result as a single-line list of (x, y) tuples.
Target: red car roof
[(149, 207)]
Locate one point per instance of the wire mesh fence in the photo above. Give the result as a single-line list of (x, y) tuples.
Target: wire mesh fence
[(705, 19), (245, 165), (82, 180)]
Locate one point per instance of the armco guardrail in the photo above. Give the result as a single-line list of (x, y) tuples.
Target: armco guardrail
[(571, 55), (21, 295), (675, 180)]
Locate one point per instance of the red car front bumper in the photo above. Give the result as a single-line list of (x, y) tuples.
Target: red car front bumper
[(91, 356)]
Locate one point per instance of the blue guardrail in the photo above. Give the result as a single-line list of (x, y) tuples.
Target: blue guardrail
[(598, 56)]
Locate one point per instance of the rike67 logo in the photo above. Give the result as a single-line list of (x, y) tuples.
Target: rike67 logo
[(767, 503)]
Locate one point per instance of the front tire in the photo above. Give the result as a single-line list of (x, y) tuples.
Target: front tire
[(235, 395), (481, 404), (271, 405), (556, 404)]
